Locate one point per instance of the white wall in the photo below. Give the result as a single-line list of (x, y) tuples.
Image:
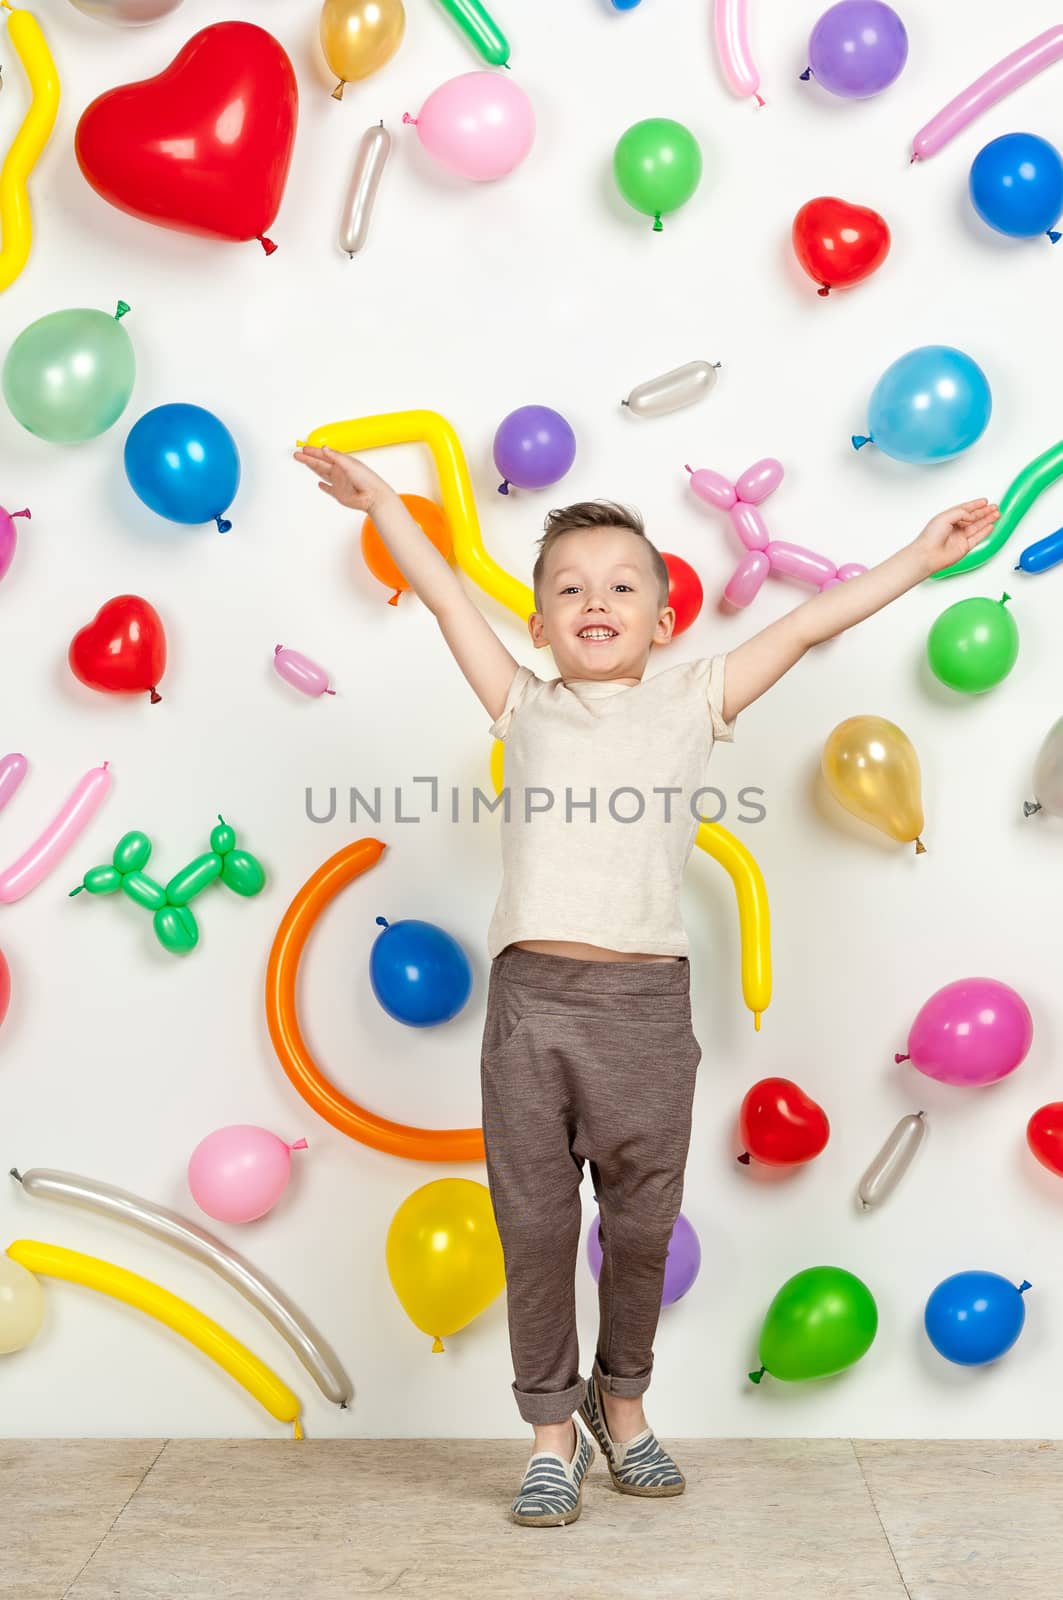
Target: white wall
[(116, 1058)]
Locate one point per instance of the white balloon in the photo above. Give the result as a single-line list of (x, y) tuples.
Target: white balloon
[(126, 13), (892, 1161), (369, 163), (680, 387), (1048, 775)]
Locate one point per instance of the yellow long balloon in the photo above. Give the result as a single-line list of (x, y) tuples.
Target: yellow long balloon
[(429, 428), (53, 1261), (16, 223)]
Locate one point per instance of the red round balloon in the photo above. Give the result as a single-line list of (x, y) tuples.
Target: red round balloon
[(122, 650), (838, 243), (1044, 1135), (685, 593), (205, 146), (780, 1125), (5, 986)]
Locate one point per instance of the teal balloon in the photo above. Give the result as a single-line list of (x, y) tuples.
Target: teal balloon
[(821, 1321), (657, 166), (974, 644), (69, 376)]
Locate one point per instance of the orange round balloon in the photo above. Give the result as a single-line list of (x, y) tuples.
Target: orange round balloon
[(282, 1016), (432, 521)]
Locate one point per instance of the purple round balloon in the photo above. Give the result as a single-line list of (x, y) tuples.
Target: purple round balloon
[(534, 447), (680, 1268), (857, 48)]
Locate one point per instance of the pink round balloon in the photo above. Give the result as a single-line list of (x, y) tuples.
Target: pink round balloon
[(481, 125), (8, 537), (239, 1173), (974, 1031)]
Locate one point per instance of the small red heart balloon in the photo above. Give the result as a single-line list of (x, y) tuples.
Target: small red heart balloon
[(205, 146), (1044, 1135), (685, 593), (122, 650), (780, 1125), (838, 243)]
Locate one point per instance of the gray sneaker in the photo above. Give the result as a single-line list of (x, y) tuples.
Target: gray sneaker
[(552, 1491), (639, 1465)]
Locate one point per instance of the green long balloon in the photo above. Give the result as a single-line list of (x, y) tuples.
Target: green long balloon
[(480, 28), (1032, 481)]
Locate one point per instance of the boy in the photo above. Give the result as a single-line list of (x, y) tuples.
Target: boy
[(588, 1049)]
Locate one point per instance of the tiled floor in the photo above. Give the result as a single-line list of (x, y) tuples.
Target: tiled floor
[(825, 1519)]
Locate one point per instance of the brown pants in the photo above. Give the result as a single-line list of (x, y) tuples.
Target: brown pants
[(585, 1061)]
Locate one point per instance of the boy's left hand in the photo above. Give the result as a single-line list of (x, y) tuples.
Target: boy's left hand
[(948, 536)]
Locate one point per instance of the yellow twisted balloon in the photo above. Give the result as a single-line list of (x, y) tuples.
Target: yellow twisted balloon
[(429, 428), (16, 224)]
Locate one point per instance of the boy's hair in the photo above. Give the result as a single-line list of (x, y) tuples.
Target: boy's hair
[(596, 514)]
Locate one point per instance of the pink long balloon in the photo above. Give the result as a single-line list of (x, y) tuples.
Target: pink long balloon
[(51, 845), (1011, 73), (732, 45), (12, 772), (300, 671)]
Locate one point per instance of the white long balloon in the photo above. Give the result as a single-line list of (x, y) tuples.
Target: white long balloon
[(672, 390), (127, 13), (369, 164), (319, 1359), (892, 1161)]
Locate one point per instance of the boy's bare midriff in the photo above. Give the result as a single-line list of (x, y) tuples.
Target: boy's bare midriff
[(585, 952)]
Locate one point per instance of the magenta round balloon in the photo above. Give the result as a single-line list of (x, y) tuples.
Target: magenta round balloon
[(973, 1031), (680, 1268)]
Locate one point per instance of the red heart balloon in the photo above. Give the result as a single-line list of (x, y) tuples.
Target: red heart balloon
[(1044, 1135), (780, 1125), (838, 243), (122, 650), (205, 146), (685, 593)]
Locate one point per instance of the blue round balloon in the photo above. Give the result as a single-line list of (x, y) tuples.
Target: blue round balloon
[(419, 973), (1016, 185), (974, 1317), (930, 405), (183, 463), (625, 5)]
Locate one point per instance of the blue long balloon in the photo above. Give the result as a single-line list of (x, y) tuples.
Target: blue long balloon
[(1042, 555)]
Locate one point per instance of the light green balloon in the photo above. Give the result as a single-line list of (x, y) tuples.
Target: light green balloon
[(657, 166), (69, 376), (821, 1320), (973, 644)]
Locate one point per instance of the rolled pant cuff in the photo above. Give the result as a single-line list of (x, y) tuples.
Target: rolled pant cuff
[(547, 1408), (626, 1388)]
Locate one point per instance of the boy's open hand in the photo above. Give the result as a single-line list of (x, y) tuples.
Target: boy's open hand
[(345, 478), (948, 536)]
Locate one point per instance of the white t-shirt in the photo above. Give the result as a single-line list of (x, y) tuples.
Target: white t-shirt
[(610, 876)]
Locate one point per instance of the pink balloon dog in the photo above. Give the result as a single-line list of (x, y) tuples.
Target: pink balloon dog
[(1010, 74), (8, 537), (970, 1032), (239, 1173), (764, 554), (732, 46)]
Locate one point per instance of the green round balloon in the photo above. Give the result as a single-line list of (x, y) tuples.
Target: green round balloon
[(974, 644), (69, 376), (657, 165), (821, 1321)]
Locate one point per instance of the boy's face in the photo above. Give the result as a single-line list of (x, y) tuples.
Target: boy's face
[(601, 612)]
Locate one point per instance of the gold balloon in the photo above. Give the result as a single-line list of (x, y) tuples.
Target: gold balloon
[(358, 36), (21, 1306), (872, 769), (444, 1255)]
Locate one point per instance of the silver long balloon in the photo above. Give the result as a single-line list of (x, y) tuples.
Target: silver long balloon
[(369, 163), (672, 390), (893, 1160), (1048, 775), (319, 1359), (127, 13)]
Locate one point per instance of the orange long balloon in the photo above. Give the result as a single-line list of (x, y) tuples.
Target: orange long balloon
[(395, 1138)]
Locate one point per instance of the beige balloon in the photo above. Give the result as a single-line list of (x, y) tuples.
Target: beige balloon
[(359, 36), (21, 1306), (872, 770)]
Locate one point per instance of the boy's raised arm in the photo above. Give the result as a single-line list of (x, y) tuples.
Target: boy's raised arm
[(483, 658)]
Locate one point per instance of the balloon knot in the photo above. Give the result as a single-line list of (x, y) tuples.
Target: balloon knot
[(1054, 236), (223, 525), (1030, 806), (658, 225), (73, 892), (267, 244), (410, 122), (438, 1347), (23, 513), (745, 1158), (755, 1377), (337, 93), (277, 649), (1004, 599), (899, 1058), (860, 439), (503, 487), (915, 156), (122, 310), (806, 74), (1024, 1285), (759, 99), (297, 1432), (16, 1174), (155, 697), (393, 600), (382, 921), (920, 848), (300, 1144), (824, 291)]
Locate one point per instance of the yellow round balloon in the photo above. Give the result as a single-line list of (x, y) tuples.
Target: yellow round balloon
[(872, 770), (444, 1255), (358, 36)]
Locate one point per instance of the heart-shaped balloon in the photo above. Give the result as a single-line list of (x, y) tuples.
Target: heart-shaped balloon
[(780, 1125), (205, 146), (838, 243), (1044, 1135), (122, 650)]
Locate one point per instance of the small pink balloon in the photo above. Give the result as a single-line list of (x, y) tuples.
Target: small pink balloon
[(713, 488), (851, 569), (239, 1173), (8, 537), (480, 125), (759, 480), (300, 671), (974, 1031), (750, 526), (747, 578)]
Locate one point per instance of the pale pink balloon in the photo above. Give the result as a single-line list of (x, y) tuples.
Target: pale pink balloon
[(49, 847), (1000, 80), (239, 1173), (8, 537), (747, 578), (480, 125), (974, 1031), (759, 480), (794, 561), (732, 44), (851, 569), (300, 671), (749, 526), (713, 488), (12, 771)]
